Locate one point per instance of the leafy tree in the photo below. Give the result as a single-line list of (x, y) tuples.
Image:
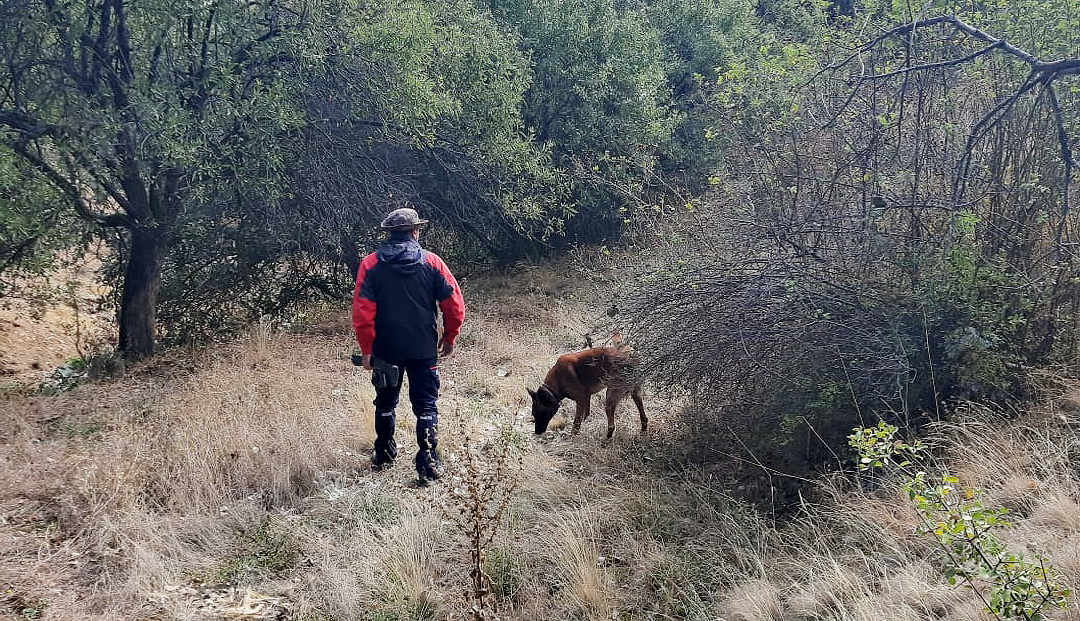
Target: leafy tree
[(33, 226), (701, 40), (596, 100), (414, 101), (424, 104), (138, 112)]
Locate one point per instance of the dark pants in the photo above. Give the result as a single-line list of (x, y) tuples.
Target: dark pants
[(423, 391)]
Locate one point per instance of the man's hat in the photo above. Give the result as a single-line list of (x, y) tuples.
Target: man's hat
[(404, 219)]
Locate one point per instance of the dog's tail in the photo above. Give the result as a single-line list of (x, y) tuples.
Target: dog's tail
[(618, 342)]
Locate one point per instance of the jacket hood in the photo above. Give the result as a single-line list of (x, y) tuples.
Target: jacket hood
[(403, 255)]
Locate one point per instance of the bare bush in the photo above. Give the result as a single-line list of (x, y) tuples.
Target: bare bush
[(882, 248)]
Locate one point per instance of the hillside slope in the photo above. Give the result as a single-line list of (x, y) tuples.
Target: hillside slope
[(233, 482), (36, 337)]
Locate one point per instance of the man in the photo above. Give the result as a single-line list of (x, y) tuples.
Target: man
[(393, 313)]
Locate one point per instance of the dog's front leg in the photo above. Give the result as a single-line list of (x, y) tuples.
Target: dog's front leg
[(582, 413)]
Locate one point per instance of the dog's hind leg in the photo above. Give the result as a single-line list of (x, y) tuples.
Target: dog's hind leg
[(636, 396), (611, 402), (582, 413)]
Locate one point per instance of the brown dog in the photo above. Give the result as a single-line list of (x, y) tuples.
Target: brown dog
[(581, 374)]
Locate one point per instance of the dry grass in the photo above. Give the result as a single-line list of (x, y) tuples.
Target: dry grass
[(574, 541), (753, 600), (833, 587), (247, 464)]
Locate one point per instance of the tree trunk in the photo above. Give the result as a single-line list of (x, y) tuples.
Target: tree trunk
[(138, 301)]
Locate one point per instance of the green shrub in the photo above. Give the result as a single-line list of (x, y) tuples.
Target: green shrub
[(963, 527), (505, 568), (264, 550)]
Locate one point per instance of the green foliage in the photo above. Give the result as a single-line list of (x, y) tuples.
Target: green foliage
[(33, 231), (416, 101), (878, 447), (506, 571), (518, 126), (964, 528), (34, 610), (700, 39), (64, 377), (511, 437), (512, 125), (263, 550), (595, 99)]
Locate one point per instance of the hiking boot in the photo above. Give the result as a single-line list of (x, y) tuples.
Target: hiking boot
[(430, 475), (378, 464)]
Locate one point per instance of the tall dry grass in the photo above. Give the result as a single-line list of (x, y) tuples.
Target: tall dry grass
[(246, 465), (857, 556), (176, 461)]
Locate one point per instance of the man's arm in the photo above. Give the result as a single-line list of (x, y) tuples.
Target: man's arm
[(451, 302), (363, 306)]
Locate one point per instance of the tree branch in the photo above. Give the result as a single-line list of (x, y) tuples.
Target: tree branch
[(69, 189), (27, 125), (937, 65), (1041, 73)]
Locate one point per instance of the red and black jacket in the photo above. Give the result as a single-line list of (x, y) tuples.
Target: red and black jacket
[(393, 310)]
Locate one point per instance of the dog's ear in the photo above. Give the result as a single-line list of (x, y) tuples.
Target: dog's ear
[(545, 396)]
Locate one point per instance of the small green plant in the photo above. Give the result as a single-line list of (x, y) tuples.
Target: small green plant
[(262, 550), (878, 447), (963, 527), (506, 571), (311, 616), (510, 436), (64, 377), (35, 610)]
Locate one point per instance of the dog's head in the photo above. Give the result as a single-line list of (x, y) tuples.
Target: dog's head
[(544, 406)]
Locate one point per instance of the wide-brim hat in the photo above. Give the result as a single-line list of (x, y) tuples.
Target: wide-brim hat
[(404, 219)]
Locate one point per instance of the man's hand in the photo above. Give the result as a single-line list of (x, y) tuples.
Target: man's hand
[(367, 361), (445, 349)]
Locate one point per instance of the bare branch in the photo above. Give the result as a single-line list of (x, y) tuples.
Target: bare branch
[(938, 65)]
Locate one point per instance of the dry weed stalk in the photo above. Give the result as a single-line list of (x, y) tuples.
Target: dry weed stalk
[(482, 477)]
